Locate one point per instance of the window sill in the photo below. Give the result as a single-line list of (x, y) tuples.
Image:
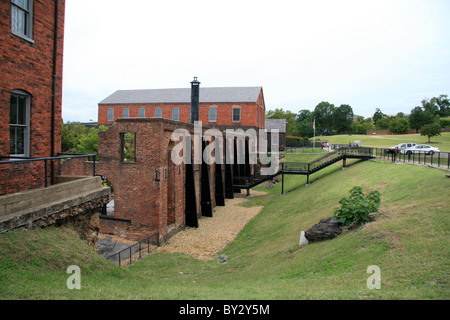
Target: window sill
[(16, 157), (22, 36)]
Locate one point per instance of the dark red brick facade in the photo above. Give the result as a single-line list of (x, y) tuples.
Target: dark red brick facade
[(149, 193), (27, 66)]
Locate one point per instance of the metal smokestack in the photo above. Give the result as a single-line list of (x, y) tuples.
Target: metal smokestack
[(195, 93)]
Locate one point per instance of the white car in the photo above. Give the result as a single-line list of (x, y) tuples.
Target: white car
[(400, 147), (420, 148)]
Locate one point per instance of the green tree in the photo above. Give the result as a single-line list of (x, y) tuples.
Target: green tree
[(398, 125), (304, 123), (343, 118), (431, 130), (419, 117), (383, 123), (279, 113), (377, 116), (361, 125), (304, 115), (444, 123), (88, 143), (437, 106), (129, 147), (71, 134), (323, 114), (305, 128), (444, 105), (66, 138)]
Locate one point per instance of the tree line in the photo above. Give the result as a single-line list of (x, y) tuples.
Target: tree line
[(328, 119), (429, 118), (77, 138)]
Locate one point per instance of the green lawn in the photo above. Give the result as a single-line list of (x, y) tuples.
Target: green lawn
[(408, 241), (384, 141)]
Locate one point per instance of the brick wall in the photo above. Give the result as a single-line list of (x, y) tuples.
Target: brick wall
[(151, 191), (28, 66), (252, 114)]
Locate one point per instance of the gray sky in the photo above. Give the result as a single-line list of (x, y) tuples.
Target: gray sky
[(368, 54)]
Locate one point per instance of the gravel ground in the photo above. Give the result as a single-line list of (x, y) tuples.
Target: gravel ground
[(213, 234)]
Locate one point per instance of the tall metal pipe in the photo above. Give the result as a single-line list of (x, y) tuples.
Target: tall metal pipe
[(195, 100)]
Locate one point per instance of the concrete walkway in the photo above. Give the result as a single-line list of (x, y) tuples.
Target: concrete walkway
[(107, 247)]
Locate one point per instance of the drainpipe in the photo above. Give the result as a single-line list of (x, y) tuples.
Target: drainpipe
[(54, 77)]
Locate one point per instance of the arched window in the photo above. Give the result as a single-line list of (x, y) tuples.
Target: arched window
[(19, 123)]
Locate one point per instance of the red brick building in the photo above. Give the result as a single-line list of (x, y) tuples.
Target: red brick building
[(218, 107), (151, 192), (31, 48)]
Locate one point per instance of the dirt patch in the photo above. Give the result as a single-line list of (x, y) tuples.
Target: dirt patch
[(213, 234)]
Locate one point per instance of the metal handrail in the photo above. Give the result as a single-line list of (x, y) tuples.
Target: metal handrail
[(16, 160), (147, 240)]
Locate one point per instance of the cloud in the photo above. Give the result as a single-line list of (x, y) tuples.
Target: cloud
[(367, 54)]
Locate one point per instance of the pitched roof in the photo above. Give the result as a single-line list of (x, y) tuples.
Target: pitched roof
[(279, 124), (183, 95)]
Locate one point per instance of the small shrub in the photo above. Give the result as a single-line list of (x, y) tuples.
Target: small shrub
[(357, 207)]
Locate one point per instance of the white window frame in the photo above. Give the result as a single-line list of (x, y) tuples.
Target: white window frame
[(210, 118), (141, 112), (176, 114), (26, 126), (24, 31), (158, 110), (126, 113)]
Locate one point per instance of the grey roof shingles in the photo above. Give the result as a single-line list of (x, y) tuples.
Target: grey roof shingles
[(183, 95), (279, 124)]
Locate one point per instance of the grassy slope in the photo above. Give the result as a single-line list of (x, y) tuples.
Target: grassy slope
[(408, 241)]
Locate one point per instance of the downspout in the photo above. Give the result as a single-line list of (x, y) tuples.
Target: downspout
[(54, 77)]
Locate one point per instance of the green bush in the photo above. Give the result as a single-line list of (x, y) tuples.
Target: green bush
[(357, 207), (444, 122)]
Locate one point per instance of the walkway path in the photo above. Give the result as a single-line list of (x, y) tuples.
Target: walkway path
[(213, 234)]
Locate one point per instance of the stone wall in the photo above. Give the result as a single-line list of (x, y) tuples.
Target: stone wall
[(77, 203)]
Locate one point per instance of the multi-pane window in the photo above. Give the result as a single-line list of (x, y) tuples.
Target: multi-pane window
[(158, 113), (126, 113), (212, 115), (110, 114), (176, 114), (18, 124), (236, 114), (141, 113), (22, 18)]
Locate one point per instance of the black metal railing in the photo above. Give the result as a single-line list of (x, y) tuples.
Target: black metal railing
[(435, 159), (46, 160), (134, 252)]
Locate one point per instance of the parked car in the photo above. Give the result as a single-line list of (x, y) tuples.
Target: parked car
[(421, 148), (400, 147)]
